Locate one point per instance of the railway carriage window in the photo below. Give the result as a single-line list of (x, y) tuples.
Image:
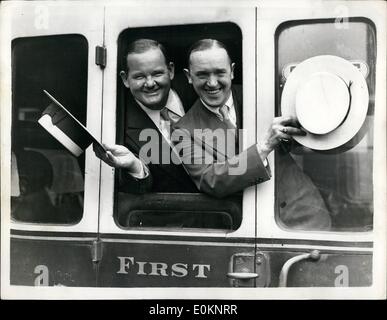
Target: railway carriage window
[(172, 201), (47, 181), (339, 180)]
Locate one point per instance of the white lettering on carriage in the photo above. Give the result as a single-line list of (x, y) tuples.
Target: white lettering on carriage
[(147, 268)]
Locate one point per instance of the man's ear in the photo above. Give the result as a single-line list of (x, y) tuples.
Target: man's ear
[(188, 75), (124, 79), (232, 70), (171, 69)]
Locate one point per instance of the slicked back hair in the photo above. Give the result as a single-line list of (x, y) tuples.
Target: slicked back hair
[(143, 45), (205, 44)]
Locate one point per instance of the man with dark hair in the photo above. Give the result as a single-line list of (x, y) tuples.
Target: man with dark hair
[(152, 106), (213, 160)]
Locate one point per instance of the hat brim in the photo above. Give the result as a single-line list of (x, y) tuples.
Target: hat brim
[(67, 129), (359, 100)]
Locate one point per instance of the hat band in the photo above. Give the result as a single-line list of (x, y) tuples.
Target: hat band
[(350, 101)]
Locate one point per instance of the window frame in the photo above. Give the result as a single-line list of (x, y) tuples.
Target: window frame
[(370, 81), (267, 225), (31, 14), (244, 18)]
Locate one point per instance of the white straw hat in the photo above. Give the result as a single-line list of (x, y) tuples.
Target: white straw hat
[(329, 97)]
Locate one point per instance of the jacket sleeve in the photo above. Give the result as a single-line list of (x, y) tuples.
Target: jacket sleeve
[(215, 174), (129, 184)]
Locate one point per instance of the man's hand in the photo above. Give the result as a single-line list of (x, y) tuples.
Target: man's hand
[(118, 156), (282, 129)]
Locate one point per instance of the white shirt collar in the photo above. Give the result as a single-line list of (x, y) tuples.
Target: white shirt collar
[(173, 104), (229, 103)]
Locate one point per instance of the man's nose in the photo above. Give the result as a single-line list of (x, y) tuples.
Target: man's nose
[(149, 82), (212, 81)]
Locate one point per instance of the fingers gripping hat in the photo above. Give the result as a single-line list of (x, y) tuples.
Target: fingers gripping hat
[(329, 97)]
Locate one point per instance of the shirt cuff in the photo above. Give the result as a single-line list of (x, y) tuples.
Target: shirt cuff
[(144, 172), (264, 161)]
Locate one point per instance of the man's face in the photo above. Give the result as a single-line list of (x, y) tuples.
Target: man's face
[(149, 78), (211, 73)]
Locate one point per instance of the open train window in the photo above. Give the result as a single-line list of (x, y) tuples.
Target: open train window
[(339, 181), (173, 201), (47, 181)]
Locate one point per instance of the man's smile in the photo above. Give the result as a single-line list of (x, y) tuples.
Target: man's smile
[(213, 91), (151, 92)]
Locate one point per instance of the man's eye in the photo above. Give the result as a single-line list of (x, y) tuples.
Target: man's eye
[(139, 77), (158, 74), (202, 75)]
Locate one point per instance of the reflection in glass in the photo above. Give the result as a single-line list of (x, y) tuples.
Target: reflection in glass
[(341, 177), (47, 182)]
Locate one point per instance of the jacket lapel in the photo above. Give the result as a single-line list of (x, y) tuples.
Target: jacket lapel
[(136, 121), (136, 118), (237, 97)]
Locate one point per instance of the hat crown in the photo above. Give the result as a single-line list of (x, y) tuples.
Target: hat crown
[(322, 102)]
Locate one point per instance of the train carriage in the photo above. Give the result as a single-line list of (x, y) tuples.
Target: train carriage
[(80, 230)]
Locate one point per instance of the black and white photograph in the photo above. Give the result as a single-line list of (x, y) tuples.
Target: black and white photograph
[(193, 150)]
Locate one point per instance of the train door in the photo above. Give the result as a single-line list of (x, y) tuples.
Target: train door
[(318, 253), (175, 239), (53, 196)]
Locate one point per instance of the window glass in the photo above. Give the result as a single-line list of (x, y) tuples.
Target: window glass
[(47, 180), (330, 189), (172, 200), (177, 211)]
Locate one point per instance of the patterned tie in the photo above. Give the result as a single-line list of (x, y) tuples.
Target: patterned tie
[(224, 111), (167, 119), (231, 128), (169, 116)]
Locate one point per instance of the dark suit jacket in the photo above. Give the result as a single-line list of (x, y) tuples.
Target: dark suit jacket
[(300, 204), (163, 177)]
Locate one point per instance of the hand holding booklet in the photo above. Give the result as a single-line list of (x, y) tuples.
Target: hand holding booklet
[(65, 128)]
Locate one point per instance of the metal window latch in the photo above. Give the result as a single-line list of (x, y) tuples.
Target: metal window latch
[(100, 56), (247, 269), (283, 278)]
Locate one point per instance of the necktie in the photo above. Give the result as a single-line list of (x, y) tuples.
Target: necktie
[(226, 117), (167, 118), (231, 130), (168, 115)]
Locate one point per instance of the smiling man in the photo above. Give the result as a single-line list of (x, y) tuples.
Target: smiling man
[(152, 105), (210, 72), (149, 75), (212, 158), (214, 161)]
